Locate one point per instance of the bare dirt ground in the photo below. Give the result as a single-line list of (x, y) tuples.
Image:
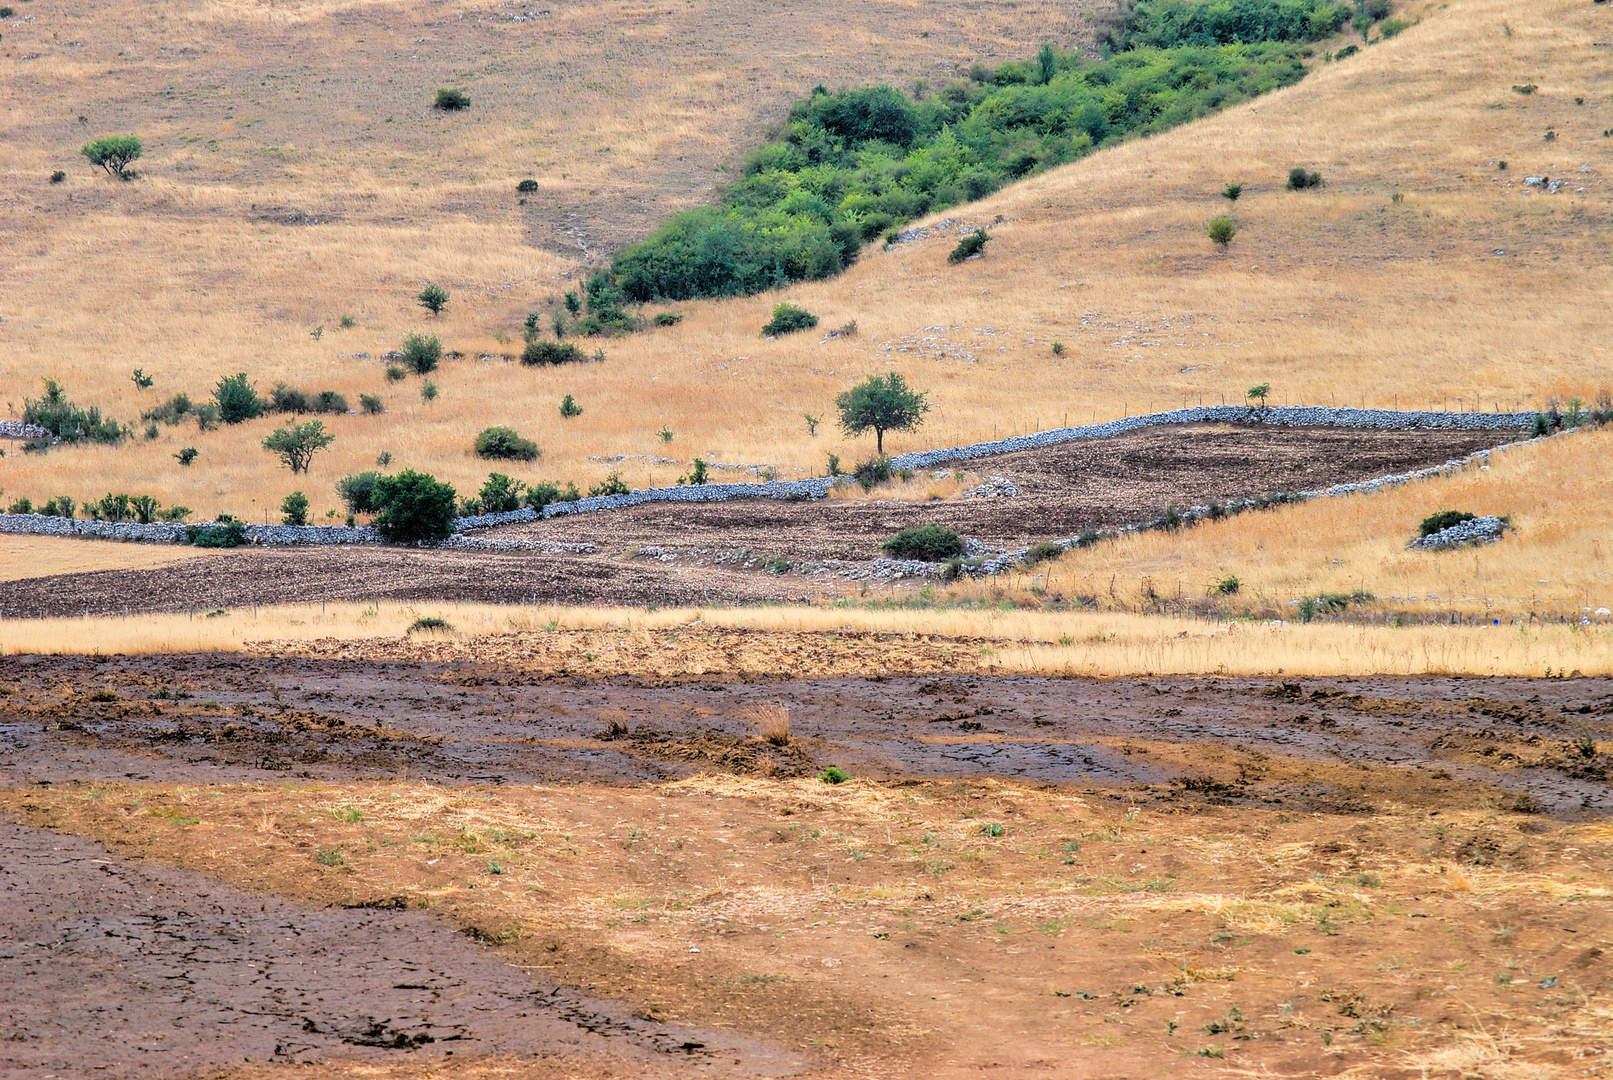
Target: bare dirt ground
[(1368, 877), (1063, 490), (718, 552), (139, 969)]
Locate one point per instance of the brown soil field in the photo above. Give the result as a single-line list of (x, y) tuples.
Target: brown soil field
[(1053, 877), (1063, 490)]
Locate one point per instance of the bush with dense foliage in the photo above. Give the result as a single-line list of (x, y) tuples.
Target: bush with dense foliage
[(543, 493), (540, 352), (225, 533), (294, 509), (451, 100), (237, 399), (849, 167), (288, 399), (506, 444), (358, 492), (971, 245), (1169, 24), (500, 494), (787, 319), (929, 543), (66, 421), (413, 507), (421, 353)]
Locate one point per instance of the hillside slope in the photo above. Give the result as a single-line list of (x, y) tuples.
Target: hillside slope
[(1470, 290)]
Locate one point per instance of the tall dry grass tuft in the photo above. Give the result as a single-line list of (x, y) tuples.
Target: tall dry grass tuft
[(772, 723)]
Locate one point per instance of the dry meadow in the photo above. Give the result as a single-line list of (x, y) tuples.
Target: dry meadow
[(277, 198)]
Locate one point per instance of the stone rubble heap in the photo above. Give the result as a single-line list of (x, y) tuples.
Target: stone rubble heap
[(1479, 530)]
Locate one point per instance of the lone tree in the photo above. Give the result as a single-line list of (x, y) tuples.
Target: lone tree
[(884, 404), (1222, 230), (296, 444), (1231, 192), (1259, 393), (433, 298), (114, 153), (294, 509)]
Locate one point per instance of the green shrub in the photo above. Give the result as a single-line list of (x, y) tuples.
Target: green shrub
[(540, 352), (413, 507), (788, 319), (371, 404), (296, 444), (112, 508), (421, 353), (175, 513), (294, 509), (143, 508), (141, 380), (542, 494), (527, 187), (286, 399), (237, 399), (224, 534), (114, 153), (696, 475), (60, 506), (187, 455), (833, 775), (66, 421), (358, 492), (450, 100), (1227, 586), (882, 404), (667, 318), (1299, 178), (396, 373), (1346, 52), (1258, 393), (611, 485), (871, 473), (428, 390), (972, 244), (1433, 523), (569, 407), (1221, 230), (929, 543), (1178, 23), (57, 177), (1231, 192), (1043, 551), (22, 505), (506, 444), (1390, 27), (430, 624), (169, 412), (500, 494), (433, 298)]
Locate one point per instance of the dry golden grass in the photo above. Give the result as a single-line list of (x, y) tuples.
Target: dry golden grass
[(604, 642), (1337, 296), (891, 927), (1559, 559), (37, 556)]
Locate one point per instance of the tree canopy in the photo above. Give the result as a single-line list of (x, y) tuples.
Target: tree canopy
[(883, 403)]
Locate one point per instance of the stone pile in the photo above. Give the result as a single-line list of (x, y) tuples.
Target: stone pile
[(1479, 530)]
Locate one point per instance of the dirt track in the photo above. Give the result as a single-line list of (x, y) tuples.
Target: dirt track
[(1064, 490)]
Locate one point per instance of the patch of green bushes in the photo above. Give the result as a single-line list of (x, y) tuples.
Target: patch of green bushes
[(846, 168), (1167, 24), (358, 492), (225, 533), (611, 485), (237, 399), (66, 421), (287, 399), (542, 352), (543, 493), (506, 444), (421, 353), (929, 543)]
